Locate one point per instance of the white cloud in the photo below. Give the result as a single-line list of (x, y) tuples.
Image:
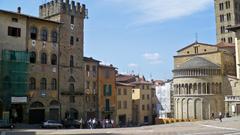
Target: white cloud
[(132, 65), (153, 58), (149, 11)]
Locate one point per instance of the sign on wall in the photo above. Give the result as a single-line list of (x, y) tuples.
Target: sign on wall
[(18, 99)]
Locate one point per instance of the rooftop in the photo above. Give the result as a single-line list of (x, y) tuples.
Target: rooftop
[(198, 63), (90, 59), (28, 16), (195, 43)]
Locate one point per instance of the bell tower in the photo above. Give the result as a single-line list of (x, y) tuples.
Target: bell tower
[(71, 65)]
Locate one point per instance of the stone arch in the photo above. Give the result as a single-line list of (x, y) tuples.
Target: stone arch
[(36, 104), (198, 109), (220, 88), (176, 107), (199, 88), (179, 111), (195, 89), (208, 88), (217, 88), (182, 89), (185, 89), (54, 103), (190, 90), (204, 88), (54, 110), (184, 108), (36, 113), (191, 112), (213, 88), (176, 87)]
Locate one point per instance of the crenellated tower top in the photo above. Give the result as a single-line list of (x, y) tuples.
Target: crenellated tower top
[(56, 7)]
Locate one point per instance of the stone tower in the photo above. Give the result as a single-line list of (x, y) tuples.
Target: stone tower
[(71, 65), (227, 15)]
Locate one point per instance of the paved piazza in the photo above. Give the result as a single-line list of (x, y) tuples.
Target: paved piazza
[(229, 126)]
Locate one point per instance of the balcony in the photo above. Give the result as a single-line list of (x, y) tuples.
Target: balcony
[(232, 98)]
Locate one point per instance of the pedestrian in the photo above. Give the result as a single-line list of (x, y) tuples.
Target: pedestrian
[(81, 123), (212, 116), (112, 122), (220, 116), (93, 123), (107, 123)]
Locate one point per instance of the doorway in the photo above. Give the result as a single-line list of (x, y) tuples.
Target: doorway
[(238, 109), (122, 120), (36, 116), (16, 113)]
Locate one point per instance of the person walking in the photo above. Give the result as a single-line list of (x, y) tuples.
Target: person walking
[(212, 116), (220, 116)]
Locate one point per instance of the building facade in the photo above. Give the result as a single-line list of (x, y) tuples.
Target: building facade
[(165, 99), (232, 102), (227, 13), (29, 51), (71, 64), (107, 92), (43, 44), (200, 80), (91, 87), (124, 104)]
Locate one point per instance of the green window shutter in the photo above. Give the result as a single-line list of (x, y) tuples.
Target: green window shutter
[(105, 90), (110, 90)]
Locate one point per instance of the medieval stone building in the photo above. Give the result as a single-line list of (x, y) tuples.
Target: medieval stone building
[(71, 64), (201, 79)]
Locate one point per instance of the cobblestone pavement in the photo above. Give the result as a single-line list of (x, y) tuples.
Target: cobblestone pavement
[(229, 126)]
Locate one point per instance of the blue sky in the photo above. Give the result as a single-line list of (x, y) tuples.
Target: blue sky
[(139, 36)]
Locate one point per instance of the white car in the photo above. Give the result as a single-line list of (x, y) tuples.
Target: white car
[(52, 124)]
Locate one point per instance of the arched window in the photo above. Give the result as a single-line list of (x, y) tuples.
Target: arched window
[(43, 84), (32, 83), (44, 35), (32, 57), (54, 36), (33, 33), (43, 58), (54, 84), (54, 59), (71, 87), (71, 61)]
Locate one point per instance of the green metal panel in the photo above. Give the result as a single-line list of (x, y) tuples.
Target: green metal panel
[(14, 75)]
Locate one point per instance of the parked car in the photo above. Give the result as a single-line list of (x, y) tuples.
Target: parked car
[(5, 124), (72, 124), (52, 124)]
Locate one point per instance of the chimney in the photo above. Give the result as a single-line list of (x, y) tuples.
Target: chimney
[(19, 10)]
